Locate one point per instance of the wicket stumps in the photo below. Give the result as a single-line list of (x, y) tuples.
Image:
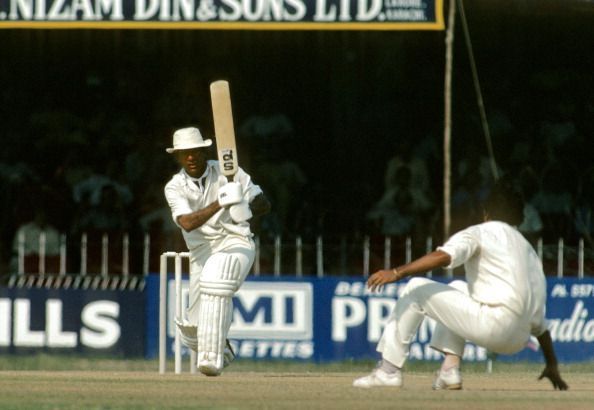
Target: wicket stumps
[(177, 257)]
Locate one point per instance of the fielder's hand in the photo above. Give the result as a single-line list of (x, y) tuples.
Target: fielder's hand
[(552, 373), (230, 193), (381, 277)]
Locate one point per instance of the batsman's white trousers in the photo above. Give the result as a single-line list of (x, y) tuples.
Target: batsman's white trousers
[(242, 248), (459, 318)]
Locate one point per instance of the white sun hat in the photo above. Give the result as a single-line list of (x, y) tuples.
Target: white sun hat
[(188, 138)]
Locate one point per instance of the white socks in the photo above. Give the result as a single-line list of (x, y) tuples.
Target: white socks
[(449, 361), (388, 367)]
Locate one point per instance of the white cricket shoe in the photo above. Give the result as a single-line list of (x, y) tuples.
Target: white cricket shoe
[(449, 380), (209, 369), (379, 378), (210, 364)]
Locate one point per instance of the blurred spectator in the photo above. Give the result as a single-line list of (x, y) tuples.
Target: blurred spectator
[(532, 225), (95, 185), (268, 139), (554, 202), (582, 219), (283, 180), (155, 219), (402, 208), (413, 157), (407, 175), (267, 124), (36, 239), (17, 181), (465, 201), (472, 179), (555, 136), (108, 216)]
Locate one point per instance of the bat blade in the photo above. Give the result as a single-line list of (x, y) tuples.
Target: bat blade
[(224, 131)]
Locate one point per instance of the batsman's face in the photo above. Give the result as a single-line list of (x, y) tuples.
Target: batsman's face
[(193, 161)]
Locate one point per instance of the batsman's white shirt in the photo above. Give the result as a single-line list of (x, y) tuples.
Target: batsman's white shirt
[(185, 196), (219, 234)]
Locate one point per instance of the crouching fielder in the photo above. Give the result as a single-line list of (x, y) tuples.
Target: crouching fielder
[(213, 215), (501, 304)]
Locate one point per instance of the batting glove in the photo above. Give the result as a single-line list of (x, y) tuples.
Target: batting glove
[(240, 212), (230, 193)]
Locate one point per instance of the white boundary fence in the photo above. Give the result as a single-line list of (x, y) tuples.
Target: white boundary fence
[(104, 279), (272, 252)]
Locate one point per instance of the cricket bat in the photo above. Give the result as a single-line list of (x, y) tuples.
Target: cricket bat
[(224, 131)]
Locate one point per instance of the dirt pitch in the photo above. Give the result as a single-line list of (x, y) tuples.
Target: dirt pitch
[(100, 389)]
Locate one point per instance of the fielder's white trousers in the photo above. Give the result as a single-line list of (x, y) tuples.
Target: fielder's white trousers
[(242, 248), (459, 318)]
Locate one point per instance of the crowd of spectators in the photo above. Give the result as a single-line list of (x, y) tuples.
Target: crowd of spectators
[(92, 159), (115, 186)]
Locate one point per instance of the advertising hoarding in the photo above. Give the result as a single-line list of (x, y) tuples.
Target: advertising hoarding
[(335, 319), (224, 14)]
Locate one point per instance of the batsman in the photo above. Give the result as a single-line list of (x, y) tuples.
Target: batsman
[(213, 210)]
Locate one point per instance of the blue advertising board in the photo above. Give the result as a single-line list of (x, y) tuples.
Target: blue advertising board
[(335, 319), (72, 321)]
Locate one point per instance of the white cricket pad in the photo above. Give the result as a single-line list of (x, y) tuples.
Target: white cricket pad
[(187, 333), (221, 278)]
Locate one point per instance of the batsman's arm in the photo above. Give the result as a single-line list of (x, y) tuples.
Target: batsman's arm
[(196, 219), (551, 370), (432, 260)]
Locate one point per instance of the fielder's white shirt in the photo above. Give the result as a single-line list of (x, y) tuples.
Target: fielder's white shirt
[(502, 268), (185, 196)]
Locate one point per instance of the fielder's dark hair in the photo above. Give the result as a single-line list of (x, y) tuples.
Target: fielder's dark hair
[(505, 203)]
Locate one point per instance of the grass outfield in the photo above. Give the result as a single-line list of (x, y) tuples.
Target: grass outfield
[(53, 382)]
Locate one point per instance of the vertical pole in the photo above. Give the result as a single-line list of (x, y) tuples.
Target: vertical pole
[(146, 254), (83, 254), (447, 133), (42, 248), (162, 313), (62, 255), (21, 252), (125, 255), (178, 312), (320, 257), (104, 254), (193, 354), (387, 252)]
